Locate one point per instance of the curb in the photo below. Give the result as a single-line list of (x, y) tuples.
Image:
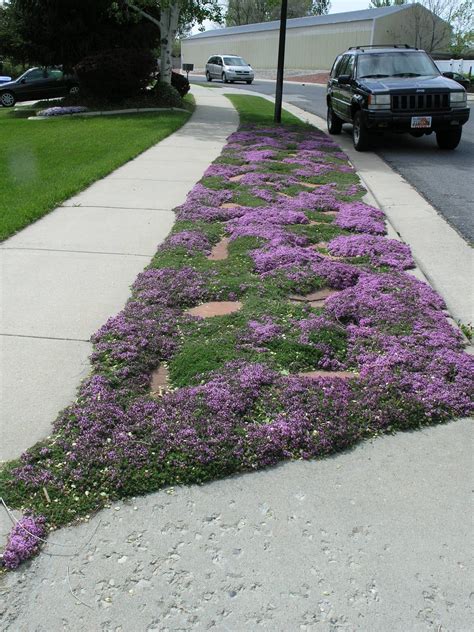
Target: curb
[(296, 83), (108, 113)]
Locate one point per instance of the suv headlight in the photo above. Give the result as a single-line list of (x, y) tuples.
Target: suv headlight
[(378, 101), (458, 99)]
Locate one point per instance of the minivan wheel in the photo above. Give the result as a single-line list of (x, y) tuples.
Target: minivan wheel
[(449, 139), (334, 122), (208, 76), (224, 78), (360, 133), (7, 99)]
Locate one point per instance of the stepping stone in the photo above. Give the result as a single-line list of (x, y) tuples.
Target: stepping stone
[(309, 185), (215, 308), (315, 296), (220, 251), (314, 299), (324, 254), (345, 375), (284, 195), (229, 205), (236, 178), (159, 383)]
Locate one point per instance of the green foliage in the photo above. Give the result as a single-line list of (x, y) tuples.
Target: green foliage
[(209, 344), (167, 96), (116, 73), (260, 111), (50, 32), (251, 11)]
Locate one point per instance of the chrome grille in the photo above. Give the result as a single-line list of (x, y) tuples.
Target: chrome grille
[(421, 102)]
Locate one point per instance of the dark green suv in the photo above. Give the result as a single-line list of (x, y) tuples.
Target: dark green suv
[(396, 88)]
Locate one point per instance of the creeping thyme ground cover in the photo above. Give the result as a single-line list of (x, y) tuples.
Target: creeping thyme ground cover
[(288, 207)]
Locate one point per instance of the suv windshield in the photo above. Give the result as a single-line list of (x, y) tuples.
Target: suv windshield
[(234, 61), (396, 64)]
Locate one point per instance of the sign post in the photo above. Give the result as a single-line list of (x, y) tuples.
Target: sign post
[(281, 61)]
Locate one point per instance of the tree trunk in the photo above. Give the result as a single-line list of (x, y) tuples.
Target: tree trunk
[(168, 28)]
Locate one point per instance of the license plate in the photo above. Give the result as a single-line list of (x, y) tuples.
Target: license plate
[(421, 121)]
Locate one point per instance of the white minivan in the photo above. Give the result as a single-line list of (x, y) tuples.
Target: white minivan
[(228, 68)]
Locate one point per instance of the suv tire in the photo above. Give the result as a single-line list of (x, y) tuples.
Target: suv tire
[(224, 78), (208, 76), (334, 122), (449, 139), (7, 99), (360, 133)]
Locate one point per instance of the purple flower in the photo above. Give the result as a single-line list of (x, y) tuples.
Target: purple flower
[(24, 540), (380, 250)]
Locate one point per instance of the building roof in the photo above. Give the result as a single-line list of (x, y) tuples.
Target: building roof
[(312, 20)]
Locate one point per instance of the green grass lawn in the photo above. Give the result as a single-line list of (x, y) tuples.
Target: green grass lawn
[(259, 110), (43, 163)]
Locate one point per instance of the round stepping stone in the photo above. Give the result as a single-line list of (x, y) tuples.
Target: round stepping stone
[(326, 255), (220, 251), (237, 178), (159, 383), (345, 375), (215, 308), (319, 295)]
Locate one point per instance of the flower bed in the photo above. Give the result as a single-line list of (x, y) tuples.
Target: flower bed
[(285, 202), (62, 110)]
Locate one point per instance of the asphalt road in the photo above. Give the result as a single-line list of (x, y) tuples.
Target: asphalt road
[(444, 178)]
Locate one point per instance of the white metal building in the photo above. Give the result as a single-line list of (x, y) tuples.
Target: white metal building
[(312, 43)]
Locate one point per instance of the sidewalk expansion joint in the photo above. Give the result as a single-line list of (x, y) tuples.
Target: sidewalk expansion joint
[(122, 208), (81, 252), (45, 337)]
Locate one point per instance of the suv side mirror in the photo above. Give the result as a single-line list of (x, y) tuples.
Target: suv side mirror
[(344, 79), (449, 75)]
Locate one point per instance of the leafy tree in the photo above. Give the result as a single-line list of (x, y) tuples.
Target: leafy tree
[(463, 29), (173, 14), (53, 32), (241, 12), (377, 4)]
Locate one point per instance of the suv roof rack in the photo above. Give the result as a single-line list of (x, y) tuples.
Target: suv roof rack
[(362, 47)]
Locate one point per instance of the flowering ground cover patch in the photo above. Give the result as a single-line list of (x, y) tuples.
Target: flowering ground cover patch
[(288, 207)]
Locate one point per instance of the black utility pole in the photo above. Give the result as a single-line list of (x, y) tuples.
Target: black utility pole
[(281, 61)]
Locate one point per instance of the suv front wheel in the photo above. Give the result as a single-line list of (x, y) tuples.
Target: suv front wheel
[(334, 122), (360, 133), (449, 139)]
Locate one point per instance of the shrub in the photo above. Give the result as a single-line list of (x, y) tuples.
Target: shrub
[(116, 73), (179, 82), (167, 96)]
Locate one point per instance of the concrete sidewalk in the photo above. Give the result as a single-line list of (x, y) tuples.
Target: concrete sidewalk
[(375, 539), (63, 276)]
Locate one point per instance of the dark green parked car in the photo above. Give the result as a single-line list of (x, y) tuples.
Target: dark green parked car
[(38, 83)]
